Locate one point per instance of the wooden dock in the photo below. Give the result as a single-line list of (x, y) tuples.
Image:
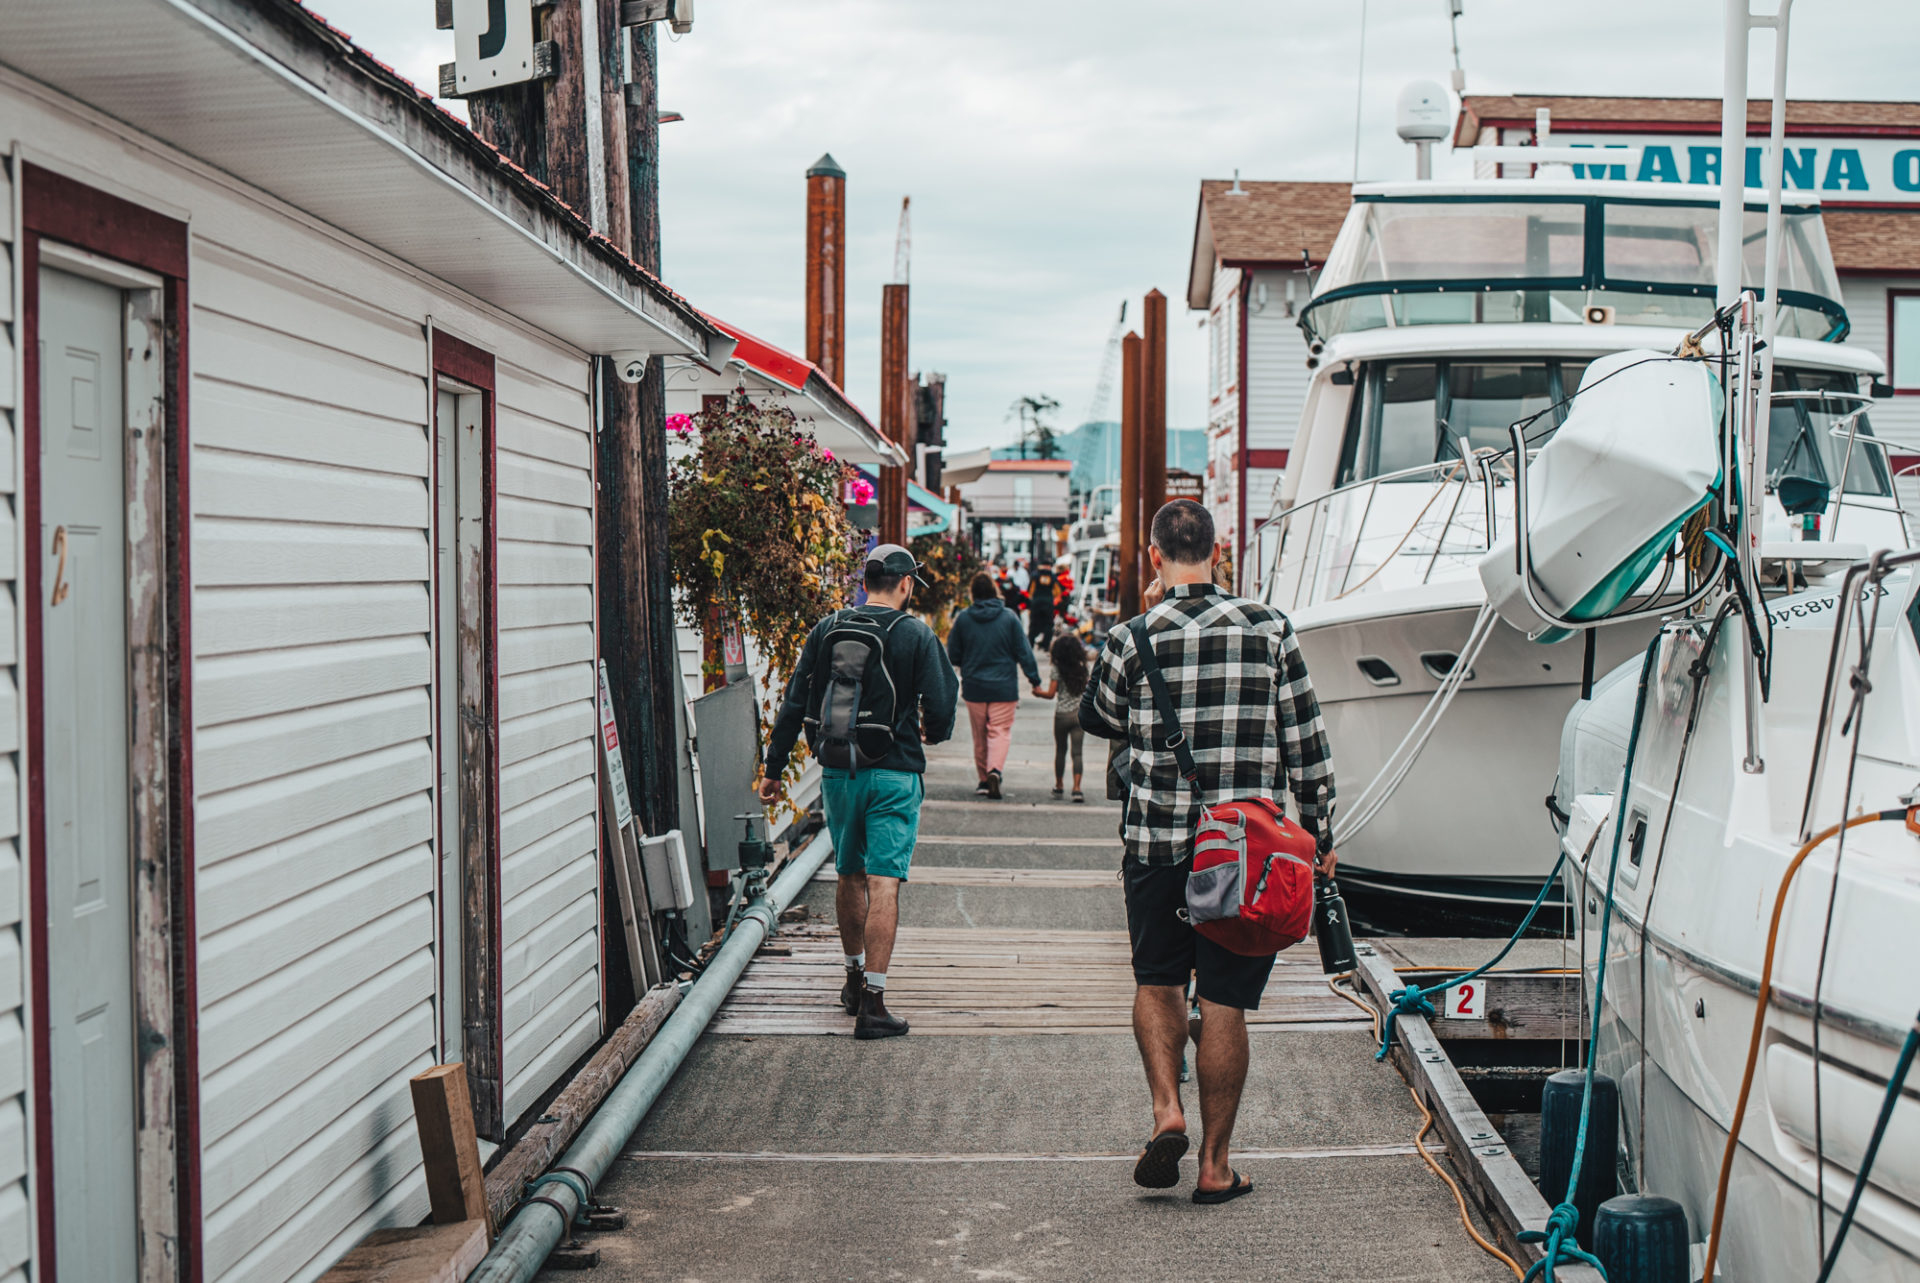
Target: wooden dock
[(995, 1141)]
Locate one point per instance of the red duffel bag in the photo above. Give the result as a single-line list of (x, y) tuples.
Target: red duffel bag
[(1250, 887)]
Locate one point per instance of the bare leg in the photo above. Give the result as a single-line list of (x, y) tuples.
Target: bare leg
[(1160, 1029), (1076, 781), (1223, 1075), (882, 918), (850, 900)]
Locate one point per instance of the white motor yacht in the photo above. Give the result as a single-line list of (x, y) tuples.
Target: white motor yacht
[(1446, 313)]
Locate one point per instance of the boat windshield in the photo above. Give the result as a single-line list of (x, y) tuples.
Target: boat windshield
[(1413, 413), (1452, 259), (1800, 438)]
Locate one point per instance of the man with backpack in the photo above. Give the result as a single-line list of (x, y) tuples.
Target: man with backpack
[(1230, 674), (872, 683), (1041, 589)]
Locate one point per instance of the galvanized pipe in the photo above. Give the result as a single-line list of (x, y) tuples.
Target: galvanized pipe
[(533, 1233)]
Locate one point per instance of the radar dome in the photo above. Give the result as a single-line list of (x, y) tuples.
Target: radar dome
[(1423, 112)]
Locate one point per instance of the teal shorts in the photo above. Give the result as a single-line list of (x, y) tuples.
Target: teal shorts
[(874, 819)]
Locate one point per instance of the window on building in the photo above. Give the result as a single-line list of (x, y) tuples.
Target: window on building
[(1903, 341)]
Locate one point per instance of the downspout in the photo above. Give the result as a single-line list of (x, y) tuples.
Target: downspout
[(535, 1230), (1246, 459)]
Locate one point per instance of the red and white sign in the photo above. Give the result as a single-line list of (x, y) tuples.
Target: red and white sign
[(1466, 1001)]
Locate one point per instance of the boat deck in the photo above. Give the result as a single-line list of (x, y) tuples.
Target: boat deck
[(996, 1141)]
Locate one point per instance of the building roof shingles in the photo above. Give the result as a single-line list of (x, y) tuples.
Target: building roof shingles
[(1802, 114)]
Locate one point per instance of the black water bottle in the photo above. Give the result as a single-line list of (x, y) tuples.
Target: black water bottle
[(1330, 927)]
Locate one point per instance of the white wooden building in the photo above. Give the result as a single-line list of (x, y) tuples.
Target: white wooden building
[(1256, 246), (296, 429)]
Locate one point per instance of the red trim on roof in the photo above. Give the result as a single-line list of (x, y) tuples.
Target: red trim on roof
[(795, 373), (1700, 129)]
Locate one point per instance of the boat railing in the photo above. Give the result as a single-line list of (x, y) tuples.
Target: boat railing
[(1397, 529)]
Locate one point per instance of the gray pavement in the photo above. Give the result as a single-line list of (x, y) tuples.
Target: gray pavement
[(776, 1158)]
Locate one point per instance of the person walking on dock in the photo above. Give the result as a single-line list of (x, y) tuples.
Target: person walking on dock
[(1069, 657), (988, 647), (870, 687), (1041, 590), (1236, 674)]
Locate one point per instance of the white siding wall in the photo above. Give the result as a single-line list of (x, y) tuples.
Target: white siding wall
[(313, 754), (1277, 373), (15, 1207), (548, 726)]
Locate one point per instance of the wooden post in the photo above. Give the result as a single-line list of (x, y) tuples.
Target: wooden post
[(1153, 415), (827, 268), (443, 1115), (1127, 511), (896, 410), (644, 569)]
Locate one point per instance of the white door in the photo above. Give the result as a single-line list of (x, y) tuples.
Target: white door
[(83, 607)]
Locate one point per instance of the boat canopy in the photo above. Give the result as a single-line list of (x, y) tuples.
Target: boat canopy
[(1507, 253)]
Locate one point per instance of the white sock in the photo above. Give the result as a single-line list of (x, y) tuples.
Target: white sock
[(856, 961), (876, 980)]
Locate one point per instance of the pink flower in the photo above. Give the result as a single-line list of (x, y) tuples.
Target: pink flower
[(826, 454), (862, 490), (681, 423)]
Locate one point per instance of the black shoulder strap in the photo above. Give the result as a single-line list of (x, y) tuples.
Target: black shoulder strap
[(1176, 740)]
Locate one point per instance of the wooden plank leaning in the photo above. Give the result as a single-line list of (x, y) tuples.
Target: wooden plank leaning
[(1499, 1185), (443, 1114), (546, 1140), (414, 1254)]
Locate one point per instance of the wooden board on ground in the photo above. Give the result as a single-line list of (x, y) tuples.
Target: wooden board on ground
[(443, 1115), (1524, 1004), (953, 980), (1497, 1183), (417, 1254), (949, 876)]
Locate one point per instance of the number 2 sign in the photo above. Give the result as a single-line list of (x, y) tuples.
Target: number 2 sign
[(1466, 1000)]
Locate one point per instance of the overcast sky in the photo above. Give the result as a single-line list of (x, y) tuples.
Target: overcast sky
[(1054, 148)]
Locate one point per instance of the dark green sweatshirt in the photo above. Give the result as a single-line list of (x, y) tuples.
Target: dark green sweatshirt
[(921, 675)]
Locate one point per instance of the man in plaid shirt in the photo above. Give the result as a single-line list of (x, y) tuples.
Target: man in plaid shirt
[(1247, 706)]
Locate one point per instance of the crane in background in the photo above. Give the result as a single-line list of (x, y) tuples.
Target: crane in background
[(903, 243), (1103, 390)]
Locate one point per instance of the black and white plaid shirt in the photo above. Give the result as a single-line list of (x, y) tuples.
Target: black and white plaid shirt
[(1241, 687)]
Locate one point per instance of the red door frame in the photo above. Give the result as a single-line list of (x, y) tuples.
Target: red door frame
[(463, 362), (59, 208)]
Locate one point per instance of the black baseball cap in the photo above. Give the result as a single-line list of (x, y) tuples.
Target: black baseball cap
[(895, 560)]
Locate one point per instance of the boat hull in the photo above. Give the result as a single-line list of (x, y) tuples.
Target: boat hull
[(1673, 1036), (1467, 828)]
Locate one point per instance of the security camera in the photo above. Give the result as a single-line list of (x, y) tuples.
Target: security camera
[(631, 366)]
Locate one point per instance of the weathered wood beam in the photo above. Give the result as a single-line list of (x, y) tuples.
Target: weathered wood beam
[(570, 1110), (1532, 1005), (1499, 1185), (416, 1254), (1127, 510)]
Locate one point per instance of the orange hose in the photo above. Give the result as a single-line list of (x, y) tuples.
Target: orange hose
[(1760, 1022), (1419, 1143)]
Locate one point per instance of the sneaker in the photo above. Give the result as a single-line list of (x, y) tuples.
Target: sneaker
[(1058, 793), (850, 991), (874, 1020), (983, 789), (1078, 796), (993, 784)]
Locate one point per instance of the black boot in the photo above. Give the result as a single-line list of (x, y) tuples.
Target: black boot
[(850, 991), (874, 1020)]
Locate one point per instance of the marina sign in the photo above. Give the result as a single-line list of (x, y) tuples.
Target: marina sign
[(1838, 170)]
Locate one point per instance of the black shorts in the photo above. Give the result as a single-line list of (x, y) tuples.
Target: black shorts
[(1166, 950)]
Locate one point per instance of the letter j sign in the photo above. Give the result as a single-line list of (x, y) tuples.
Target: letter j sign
[(492, 43)]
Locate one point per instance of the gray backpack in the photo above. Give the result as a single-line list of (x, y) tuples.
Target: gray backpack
[(853, 698)]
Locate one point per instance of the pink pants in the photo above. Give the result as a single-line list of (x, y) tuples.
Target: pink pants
[(992, 733)]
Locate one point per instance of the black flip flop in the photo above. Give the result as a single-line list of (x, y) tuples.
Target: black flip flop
[(1208, 1196), (1159, 1165)]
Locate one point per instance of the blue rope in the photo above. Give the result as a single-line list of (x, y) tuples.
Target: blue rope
[(1564, 1221), (1413, 1000)]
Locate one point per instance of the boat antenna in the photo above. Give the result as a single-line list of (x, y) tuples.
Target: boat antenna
[(1454, 10), (1359, 90)]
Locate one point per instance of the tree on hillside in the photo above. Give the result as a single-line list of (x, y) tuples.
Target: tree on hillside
[(1031, 412)]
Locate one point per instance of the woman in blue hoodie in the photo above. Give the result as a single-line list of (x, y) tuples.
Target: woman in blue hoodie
[(989, 647)]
